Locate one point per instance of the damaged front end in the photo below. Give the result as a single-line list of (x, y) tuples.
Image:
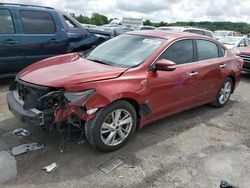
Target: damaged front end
[(47, 106)]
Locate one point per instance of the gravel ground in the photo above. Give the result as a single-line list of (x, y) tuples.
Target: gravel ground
[(196, 148)]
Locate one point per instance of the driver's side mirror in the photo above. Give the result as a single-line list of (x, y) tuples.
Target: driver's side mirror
[(165, 65)]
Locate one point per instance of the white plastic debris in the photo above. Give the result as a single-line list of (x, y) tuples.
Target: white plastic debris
[(24, 148), (21, 132), (50, 167)]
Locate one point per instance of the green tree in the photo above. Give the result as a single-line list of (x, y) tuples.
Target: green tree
[(99, 19), (147, 22)]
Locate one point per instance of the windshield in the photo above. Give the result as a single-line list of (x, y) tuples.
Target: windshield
[(125, 50), (230, 40), (220, 33)]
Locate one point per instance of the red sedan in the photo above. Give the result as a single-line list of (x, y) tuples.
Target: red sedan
[(128, 81)]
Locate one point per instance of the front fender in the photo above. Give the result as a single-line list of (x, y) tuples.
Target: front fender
[(99, 101)]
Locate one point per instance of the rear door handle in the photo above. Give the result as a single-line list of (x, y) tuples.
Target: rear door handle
[(193, 74), (222, 66), (10, 41)]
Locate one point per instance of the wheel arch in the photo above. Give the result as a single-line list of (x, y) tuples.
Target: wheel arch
[(232, 77), (99, 101)]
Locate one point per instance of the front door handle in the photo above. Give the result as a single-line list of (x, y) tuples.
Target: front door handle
[(10, 41), (191, 74), (222, 66)]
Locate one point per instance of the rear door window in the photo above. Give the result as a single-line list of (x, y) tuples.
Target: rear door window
[(6, 22), (37, 22), (180, 52), (206, 50)]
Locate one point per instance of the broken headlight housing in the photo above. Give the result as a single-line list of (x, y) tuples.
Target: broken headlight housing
[(80, 97)]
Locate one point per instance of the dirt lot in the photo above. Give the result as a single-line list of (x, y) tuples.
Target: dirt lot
[(196, 148)]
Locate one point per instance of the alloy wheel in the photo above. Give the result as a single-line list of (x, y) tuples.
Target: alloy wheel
[(225, 92), (116, 127)]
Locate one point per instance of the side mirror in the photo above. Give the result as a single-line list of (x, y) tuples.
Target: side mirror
[(165, 65)]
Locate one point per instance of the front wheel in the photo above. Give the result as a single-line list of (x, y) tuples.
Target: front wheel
[(112, 126), (224, 93)]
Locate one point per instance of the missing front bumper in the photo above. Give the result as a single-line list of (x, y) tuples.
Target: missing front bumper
[(33, 116)]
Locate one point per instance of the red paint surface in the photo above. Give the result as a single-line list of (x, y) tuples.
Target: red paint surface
[(165, 92)]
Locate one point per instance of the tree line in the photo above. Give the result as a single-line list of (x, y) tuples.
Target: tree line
[(98, 19)]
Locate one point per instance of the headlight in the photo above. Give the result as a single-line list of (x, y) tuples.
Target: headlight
[(79, 97)]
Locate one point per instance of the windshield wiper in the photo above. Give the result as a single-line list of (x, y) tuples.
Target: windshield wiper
[(98, 61)]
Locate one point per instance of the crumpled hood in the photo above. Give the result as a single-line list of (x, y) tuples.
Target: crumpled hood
[(69, 69)]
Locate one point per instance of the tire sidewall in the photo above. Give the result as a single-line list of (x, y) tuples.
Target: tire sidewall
[(219, 104), (102, 115)]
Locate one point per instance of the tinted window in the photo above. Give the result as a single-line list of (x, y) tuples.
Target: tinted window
[(242, 43), (197, 32), (6, 23), (180, 52), (230, 34), (70, 24), (246, 42), (222, 51), (34, 22), (207, 50), (208, 34)]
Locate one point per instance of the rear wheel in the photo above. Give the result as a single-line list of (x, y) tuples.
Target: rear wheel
[(112, 126), (224, 93)]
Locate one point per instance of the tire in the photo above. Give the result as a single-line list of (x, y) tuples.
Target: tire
[(226, 88), (116, 131)]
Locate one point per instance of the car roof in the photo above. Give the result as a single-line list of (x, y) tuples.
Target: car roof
[(224, 31), (184, 27), (165, 34), (149, 26), (235, 37), (25, 6)]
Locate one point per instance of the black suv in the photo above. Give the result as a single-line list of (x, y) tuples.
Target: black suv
[(30, 33)]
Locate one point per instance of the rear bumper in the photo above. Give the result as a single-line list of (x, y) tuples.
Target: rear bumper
[(32, 116)]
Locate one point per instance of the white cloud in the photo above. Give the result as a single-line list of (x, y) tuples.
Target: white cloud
[(157, 10)]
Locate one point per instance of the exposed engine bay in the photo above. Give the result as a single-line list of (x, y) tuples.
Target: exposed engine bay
[(57, 107)]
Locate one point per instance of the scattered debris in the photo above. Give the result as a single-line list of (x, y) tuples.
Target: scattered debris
[(21, 132), (111, 164), (225, 184), (50, 167), (131, 166), (81, 142), (24, 148)]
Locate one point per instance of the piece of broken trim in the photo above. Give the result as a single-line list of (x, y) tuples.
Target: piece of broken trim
[(50, 167), (21, 132), (24, 148)]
